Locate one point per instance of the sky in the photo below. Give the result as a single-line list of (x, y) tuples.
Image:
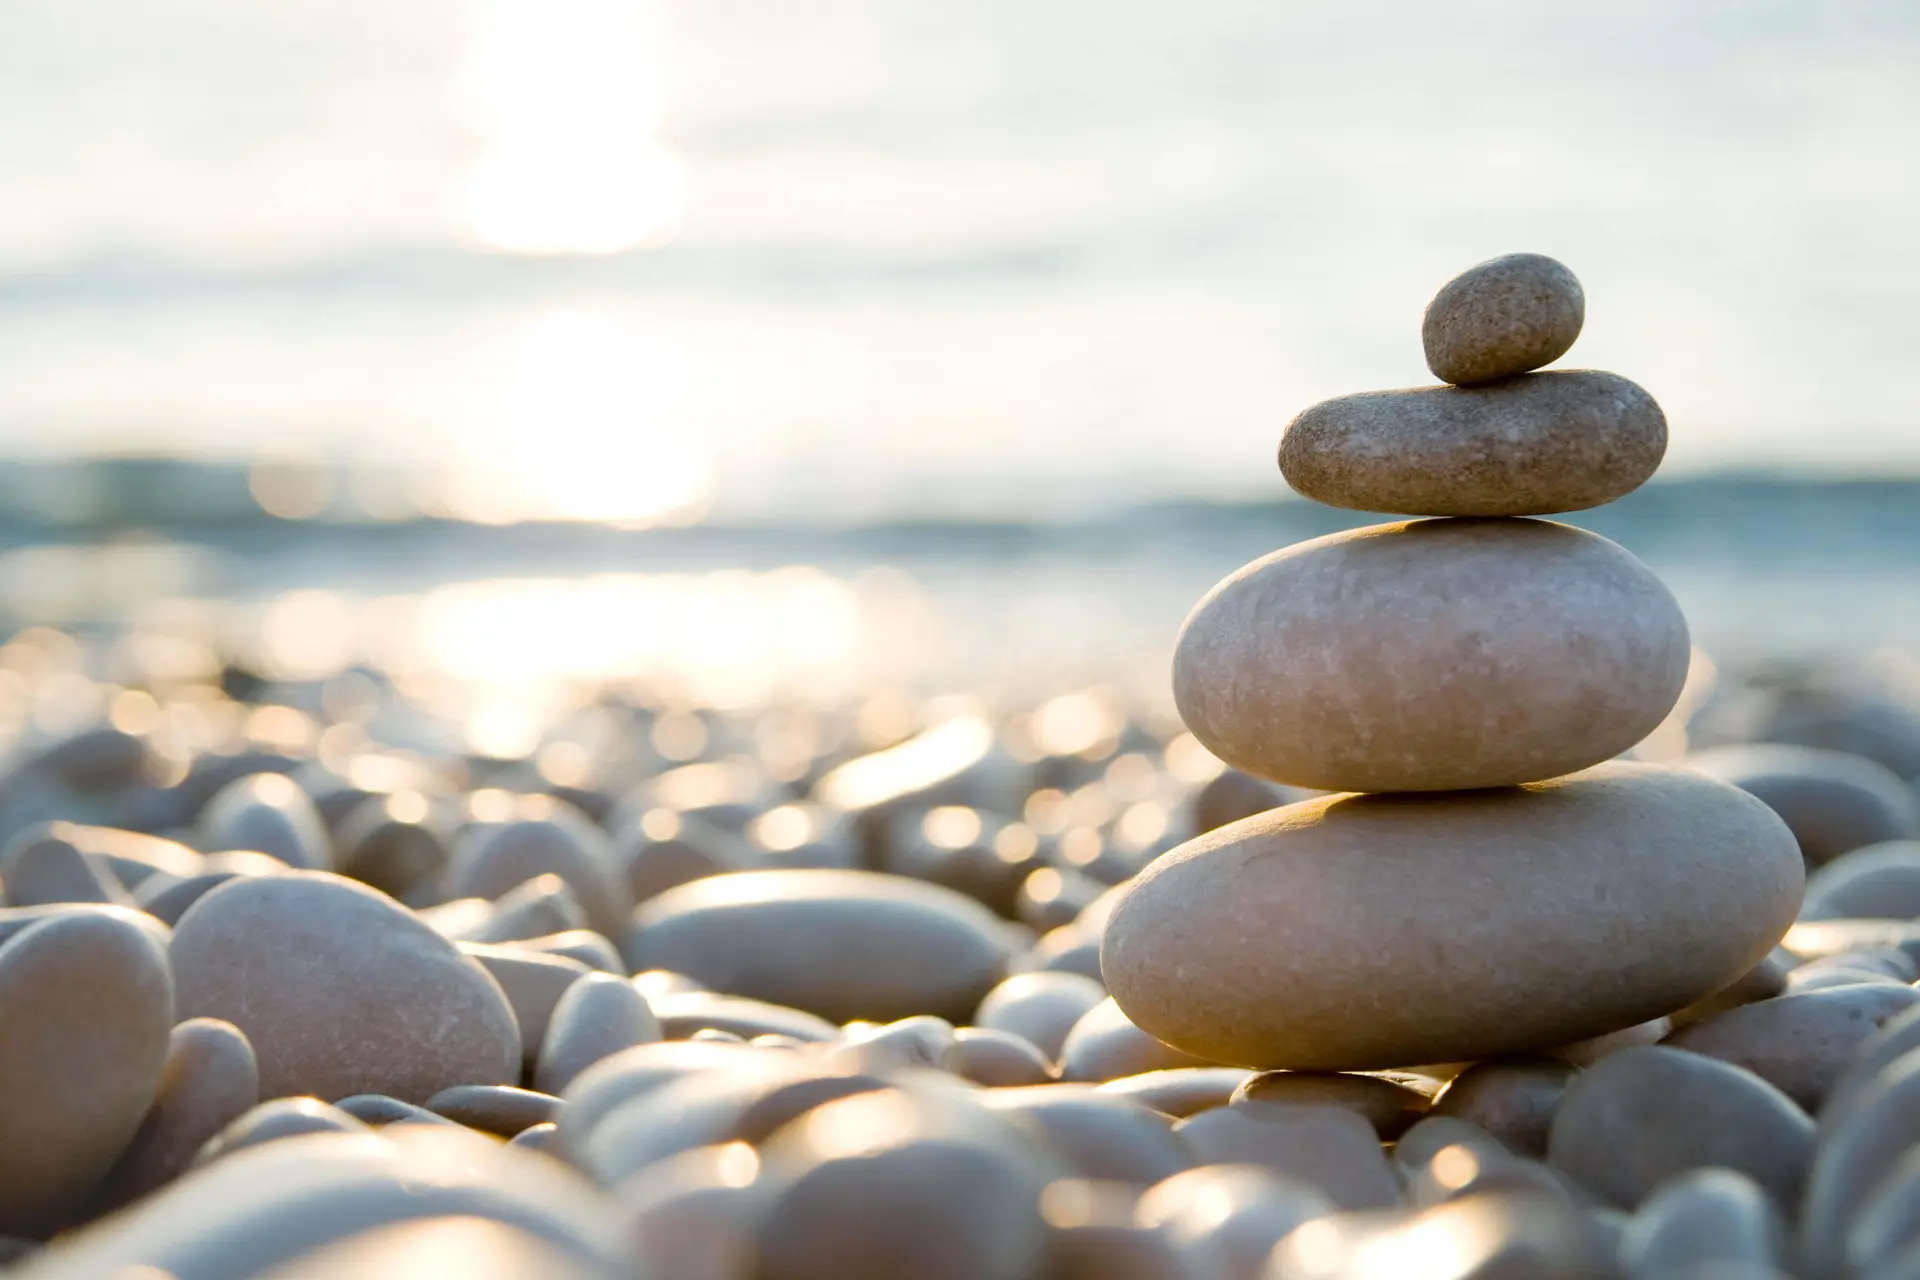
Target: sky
[(636, 259)]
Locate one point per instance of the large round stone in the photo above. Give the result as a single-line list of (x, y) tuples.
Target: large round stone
[(1434, 655), (840, 944), (1356, 932), (341, 990), (1531, 446)]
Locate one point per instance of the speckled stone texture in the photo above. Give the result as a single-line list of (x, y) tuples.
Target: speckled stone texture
[(1505, 316), (1433, 655), (1526, 446), (341, 990), (1356, 932)]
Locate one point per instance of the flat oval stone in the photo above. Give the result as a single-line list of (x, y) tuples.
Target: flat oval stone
[(341, 990), (1364, 932), (1434, 655), (1531, 446), (840, 944), (1501, 317), (1631, 1121), (1801, 1043), (87, 1004), (1834, 802), (997, 1059), (210, 1080)]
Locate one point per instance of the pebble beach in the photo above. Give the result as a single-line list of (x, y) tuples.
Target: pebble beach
[(1446, 911)]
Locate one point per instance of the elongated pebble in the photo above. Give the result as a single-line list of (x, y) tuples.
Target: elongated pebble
[(1330, 1149), (1799, 1043), (87, 1005), (496, 1109), (1529, 446), (210, 1079)]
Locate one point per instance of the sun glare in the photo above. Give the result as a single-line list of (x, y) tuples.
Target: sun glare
[(568, 100)]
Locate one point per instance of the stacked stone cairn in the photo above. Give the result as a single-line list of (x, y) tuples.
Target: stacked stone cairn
[(1485, 878)]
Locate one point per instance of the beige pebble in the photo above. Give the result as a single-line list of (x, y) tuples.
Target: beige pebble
[(496, 1109), (840, 944), (1180, 1091), (544, 837), (1105, 1044), (1328, 1148), (690, 1011), (1513, 1099), (276, 1120), (1320, 665), (1531, 446), (596, 1017), (997, 1059), (392, 842), (1833, 802), (1096, 1135), (692, 1216), (210, 1079), (533, 985), (457, 919), (654, 983), (41, 867), (1417, 928), (340, 990), (267, 813), (1703, 1218), (1093, 1235), (1072, 948), (922, 1042), (1897, 1038), (1389, 1105), (1810, 940), (1799, 1043), (1875, 880), (893, 1184), (1229, 1217), (1639, 1117), (1502, 317), (1040, 1007), (87, 1004)]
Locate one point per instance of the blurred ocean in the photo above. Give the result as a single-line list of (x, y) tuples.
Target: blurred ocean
[(905, 341)]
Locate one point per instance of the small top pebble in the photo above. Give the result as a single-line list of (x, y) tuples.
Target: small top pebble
[(1505, 316)]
